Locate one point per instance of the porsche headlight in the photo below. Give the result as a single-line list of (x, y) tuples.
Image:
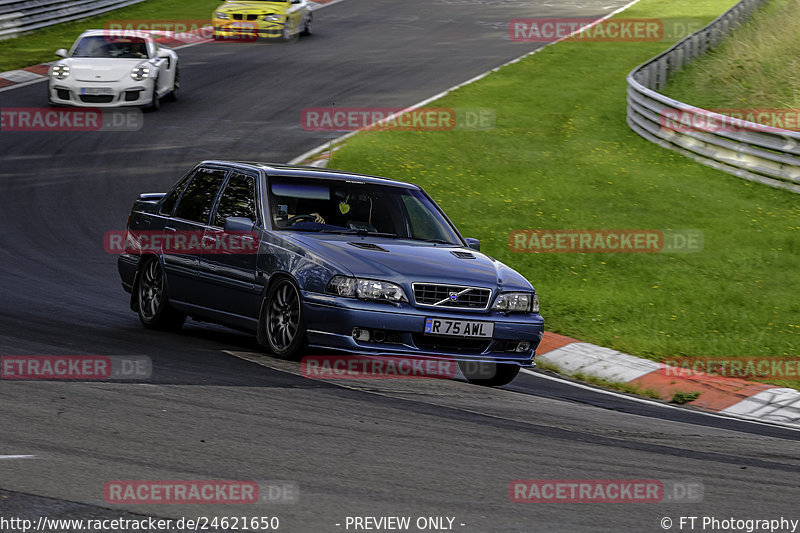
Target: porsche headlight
[(517, 302), (139, 73), (273, 18), (366, 289), (221, 15), (60, 71)]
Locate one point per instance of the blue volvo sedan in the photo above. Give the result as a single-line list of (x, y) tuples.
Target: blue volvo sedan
[(310, 258)]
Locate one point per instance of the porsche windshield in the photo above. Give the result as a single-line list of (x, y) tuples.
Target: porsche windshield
[(336, 206), (103, 46)]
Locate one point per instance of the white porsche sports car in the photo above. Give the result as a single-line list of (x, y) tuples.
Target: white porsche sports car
[(110, 69)]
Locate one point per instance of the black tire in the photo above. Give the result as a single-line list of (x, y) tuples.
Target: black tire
[(152, 302), (155, 104), (175, 93), (284, 323), (286, 36), (488, 374), (307, 27)]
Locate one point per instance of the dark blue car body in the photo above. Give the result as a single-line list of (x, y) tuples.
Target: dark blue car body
[(231, 289)]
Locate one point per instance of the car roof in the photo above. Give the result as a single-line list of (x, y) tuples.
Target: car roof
[(121, 33), (279, 169)]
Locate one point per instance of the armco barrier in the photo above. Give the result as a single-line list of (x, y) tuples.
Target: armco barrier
[(19, 16), (750, 151)]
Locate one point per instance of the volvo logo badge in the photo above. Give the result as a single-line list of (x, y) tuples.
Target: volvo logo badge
[(453, 296)]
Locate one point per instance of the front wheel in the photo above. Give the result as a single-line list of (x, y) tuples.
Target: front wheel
[(176, 85), (488, 374), (152, 303), (284, 321), (155, 104), (307, 27)]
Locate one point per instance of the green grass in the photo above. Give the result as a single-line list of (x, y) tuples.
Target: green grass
[(682, 397), (40, 46), (756, 67), (562, 156)]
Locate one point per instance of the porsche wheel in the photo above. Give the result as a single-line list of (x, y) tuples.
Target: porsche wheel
[(176, 85)]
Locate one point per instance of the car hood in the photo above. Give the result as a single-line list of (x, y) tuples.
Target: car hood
[(407, 261), (101, 69), (253, 8)]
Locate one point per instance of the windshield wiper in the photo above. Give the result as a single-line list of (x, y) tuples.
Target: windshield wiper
[(435, 241), (364, 232)]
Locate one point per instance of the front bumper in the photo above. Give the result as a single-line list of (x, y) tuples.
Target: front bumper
[(115, 94), (330, 321), (247, 31)]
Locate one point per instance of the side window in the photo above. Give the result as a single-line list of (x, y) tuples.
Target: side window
[(238, 199), (196, 202), (172, 197)]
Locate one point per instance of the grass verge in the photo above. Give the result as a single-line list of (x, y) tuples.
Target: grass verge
[(561, 156), (40, 46)]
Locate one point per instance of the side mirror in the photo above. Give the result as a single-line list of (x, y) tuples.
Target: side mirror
[(62, 52), (475, 244), (238, 225), (163, 53)]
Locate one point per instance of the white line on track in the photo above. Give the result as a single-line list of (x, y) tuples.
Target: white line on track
[(9, 457), (652, 403), (338, 140)]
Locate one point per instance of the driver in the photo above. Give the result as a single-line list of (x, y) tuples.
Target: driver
[(282, 216)]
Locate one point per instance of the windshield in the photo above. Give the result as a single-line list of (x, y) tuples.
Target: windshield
[(103, 46), (336, 206)]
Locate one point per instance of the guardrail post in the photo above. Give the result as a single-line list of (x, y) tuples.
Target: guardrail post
[(9, 25)]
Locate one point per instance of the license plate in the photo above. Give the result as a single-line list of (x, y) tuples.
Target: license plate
[(98, 91), (458, 328)]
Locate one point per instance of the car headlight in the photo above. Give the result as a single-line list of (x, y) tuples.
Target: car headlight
[(60, 71), (517, 302), (273, 18), (366, 289), (221, 15), (139, 73)]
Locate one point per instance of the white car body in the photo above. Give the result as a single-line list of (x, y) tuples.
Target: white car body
[(99, 71)]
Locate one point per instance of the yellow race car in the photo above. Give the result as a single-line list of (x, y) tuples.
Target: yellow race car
[(271, 19)]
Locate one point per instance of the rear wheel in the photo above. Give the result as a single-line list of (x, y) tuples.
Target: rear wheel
[(488, 374), (284, 321), (152, 303)]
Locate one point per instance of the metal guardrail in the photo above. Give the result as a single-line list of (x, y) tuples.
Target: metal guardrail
[(20, 16), (748, 150)]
